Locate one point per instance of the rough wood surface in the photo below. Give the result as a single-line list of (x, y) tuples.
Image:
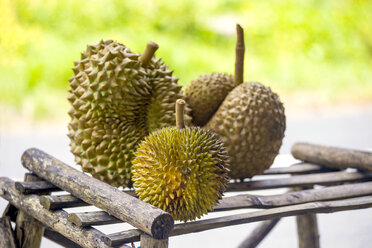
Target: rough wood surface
[(301, 181), (298, 197), (57, 220), (7, 239), (300, 168), (333, 157), (149, 242), (144, 216), (28, 230), (307, 229), (261, 215), (54, 202), (259, 233), (92, 218), (37, 187)]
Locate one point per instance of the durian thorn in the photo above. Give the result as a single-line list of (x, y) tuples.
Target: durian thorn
[(148, 53), (239, 56), (180, 117)]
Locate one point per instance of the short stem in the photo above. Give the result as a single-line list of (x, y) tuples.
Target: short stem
[(148, 53), (180, 107), (239, 56)]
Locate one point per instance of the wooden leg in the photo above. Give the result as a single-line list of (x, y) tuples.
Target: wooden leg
[(259, 233), (307, 231), (6, 233), (11, 212), (28, 230), (149, 242)]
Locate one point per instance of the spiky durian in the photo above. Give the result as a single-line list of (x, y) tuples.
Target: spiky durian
[(111, 94), (206, 93), (249, 118), (181, 170), (251, 123)]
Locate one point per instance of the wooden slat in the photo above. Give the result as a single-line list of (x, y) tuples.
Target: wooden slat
[(133, 235), (54, 202), (59, 239), (36, 187), (92, 218), (301, 181), (57, 220), (140, 214), (299, 168), (291, 198), (333, 157)]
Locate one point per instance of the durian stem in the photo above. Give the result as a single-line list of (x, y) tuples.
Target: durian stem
[(180, 120), (239, 56), (148, 53)]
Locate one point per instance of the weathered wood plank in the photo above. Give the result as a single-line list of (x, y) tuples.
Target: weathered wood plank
[(7, 239), (86, 237), (301, 181), (150, 242), (54, 202), (333, 157), (28, 231), (92, 218), (300, 168), (133, 235), (291, 198), (37, 187), (259, 233), (142, 215)]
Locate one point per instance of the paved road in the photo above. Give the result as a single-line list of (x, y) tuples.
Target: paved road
[(351, 128)]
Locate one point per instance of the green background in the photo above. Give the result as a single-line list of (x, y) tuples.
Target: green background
[(320, 47)]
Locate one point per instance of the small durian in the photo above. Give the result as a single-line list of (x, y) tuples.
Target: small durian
[(250, 122), (181, 170), (111, 95), (206, 93)]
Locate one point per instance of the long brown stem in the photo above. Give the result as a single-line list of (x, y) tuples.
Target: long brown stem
[(180, 107), (148, 53), (239, 56)]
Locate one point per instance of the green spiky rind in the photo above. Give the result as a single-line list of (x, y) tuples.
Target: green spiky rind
[(104, 132), (251, 123), (165, 91), (206, 93), (182, 171)]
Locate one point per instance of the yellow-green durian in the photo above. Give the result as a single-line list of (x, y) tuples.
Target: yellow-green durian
[(181, 170), (111, 94)]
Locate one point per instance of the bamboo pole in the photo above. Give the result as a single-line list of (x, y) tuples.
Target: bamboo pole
[(151, 220), (56, 220), (333, 157)]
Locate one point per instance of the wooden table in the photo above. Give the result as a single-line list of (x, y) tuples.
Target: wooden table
[(38, 211)]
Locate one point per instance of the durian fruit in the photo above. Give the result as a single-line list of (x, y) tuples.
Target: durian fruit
[(206, 93), (111, 94), (165, 91), (181, 170), (251, 123)]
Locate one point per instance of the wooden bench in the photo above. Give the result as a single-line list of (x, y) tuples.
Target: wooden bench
[(38, 211)]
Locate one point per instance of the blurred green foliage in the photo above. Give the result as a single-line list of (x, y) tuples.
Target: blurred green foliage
[(293, 45)]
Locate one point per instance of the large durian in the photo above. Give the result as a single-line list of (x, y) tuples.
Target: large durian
[(113, 90), (249, 118), (181, 170)]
